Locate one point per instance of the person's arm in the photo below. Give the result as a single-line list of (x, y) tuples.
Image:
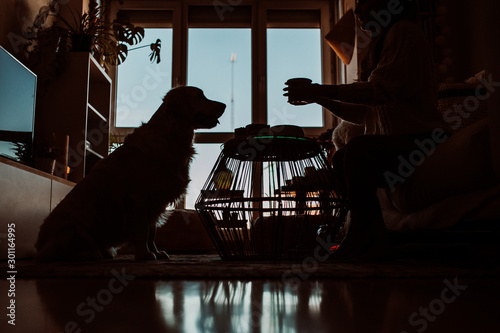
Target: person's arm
[(309, 92), (328, 91), (353, 113), (359, 93)]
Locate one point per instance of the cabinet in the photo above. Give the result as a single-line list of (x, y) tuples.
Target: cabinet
[(30, 197), (77, 104)]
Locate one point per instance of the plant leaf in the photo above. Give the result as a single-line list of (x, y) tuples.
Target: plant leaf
[(53, 6), (40, 19), (122, 53), (155, 54), (44, 9), (127, 32), (138, 34)]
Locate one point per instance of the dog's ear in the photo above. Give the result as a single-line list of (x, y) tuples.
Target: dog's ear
[(160, 116), (175, 106)]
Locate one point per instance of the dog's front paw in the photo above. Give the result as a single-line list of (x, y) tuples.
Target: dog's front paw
[(145, 256), (162, 255)]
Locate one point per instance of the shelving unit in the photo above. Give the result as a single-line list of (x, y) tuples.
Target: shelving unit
[(78, 104)]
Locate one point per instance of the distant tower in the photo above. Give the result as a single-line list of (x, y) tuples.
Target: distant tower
[(233, 59)]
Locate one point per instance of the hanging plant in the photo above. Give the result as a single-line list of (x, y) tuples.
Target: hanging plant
[(155, 51), (109, 41)]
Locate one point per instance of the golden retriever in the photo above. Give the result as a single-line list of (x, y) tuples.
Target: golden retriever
[(124, 197)]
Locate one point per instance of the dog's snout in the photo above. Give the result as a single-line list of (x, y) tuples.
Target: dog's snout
[(222, 107)]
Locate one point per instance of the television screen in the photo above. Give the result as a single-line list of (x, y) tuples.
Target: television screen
[(17, 108)]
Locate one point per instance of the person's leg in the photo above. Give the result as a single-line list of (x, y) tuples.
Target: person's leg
[(366, 160), (338, 168)]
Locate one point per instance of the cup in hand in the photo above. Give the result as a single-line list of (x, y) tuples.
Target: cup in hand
[(297, 83)]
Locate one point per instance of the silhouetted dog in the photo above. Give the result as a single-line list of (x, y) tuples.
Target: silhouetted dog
[(124, 197)]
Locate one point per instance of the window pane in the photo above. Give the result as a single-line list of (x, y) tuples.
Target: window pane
[(215, 58), (141, 84), (202, 164), (292, 53)]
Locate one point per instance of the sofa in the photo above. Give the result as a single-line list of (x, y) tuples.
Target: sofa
[(455, 184)]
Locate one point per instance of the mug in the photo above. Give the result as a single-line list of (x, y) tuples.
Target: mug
[(297, 82)]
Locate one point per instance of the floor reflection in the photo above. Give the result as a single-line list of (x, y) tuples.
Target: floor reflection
[(329, 306), (258, 306), (235, 306)]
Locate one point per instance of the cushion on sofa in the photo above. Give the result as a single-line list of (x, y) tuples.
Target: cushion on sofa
[(462, 104), (460, 164)]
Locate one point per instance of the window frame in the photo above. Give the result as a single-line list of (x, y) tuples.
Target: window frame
[(332, 70), (329, 66), (119, 133)]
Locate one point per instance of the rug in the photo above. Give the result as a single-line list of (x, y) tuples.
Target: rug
[(428, 263)]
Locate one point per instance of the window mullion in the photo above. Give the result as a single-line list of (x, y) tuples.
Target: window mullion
[(183, 45), (259, 55)]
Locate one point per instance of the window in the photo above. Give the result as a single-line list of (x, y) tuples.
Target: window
[(220, 63), (203, 163), (141, 85), (292, 53), (240, 55)]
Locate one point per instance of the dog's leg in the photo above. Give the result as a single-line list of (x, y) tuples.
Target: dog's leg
[(152, 245), (141, 241)]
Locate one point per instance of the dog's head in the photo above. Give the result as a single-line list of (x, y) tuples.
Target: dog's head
[(191, 105)]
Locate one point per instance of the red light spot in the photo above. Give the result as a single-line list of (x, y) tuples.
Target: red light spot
[(334, 248)]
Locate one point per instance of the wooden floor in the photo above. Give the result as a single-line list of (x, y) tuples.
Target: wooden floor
[(438, 292), (436, 263), (125, 303)]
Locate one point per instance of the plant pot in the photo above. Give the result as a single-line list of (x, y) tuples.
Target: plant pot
[(81, 43)]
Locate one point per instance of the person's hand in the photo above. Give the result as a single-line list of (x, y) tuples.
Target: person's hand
[(301, 94)]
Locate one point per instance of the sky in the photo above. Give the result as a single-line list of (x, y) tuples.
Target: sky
[(219, 62)]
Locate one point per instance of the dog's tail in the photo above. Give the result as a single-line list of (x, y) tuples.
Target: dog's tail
[(70, 243)]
